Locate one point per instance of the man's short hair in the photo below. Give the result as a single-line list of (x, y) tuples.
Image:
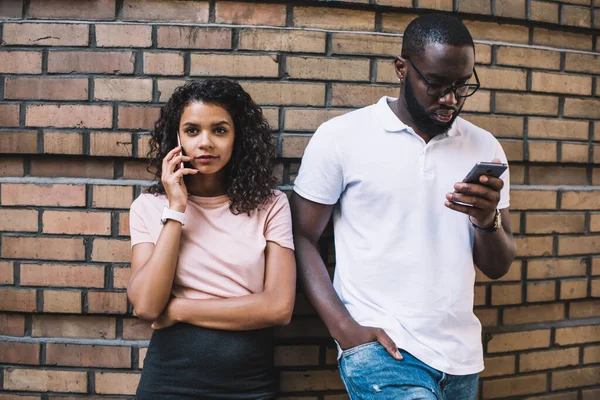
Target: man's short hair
[(434, 28)]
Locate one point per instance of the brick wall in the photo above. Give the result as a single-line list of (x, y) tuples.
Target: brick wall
[(81, 83)]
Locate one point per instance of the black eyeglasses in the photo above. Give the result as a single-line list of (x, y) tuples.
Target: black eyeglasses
[(438, 90)]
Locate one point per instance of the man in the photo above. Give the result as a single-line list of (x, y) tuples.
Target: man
[(401, 305)]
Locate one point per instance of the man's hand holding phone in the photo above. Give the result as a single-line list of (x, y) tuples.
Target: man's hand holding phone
[(478, 197)]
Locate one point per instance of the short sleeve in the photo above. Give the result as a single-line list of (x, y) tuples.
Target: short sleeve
[(278, 226), (505, 192), (138, 230), (320, 178)]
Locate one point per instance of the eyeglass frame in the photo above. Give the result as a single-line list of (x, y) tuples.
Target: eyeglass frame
[(450, 87)]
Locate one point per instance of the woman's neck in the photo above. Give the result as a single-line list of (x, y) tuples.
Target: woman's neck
[(206, 185)]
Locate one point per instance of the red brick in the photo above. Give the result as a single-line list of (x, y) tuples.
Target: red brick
[(583, 108), (69, 116), (116, 382), (24, 142), (136, 170), (43, 248), (45, 34), (12, 324), (498, 366), (113, 62), (63, 142), (17, 299), (578, 245), (544, 11), (107, 302), (233, 12), (111, 250), (12, 166), (19, 353), (74, 326), (43, 195), (73, 355), (531, 314), (131, 117), (278, 93), (46, 88), (143, 146), (557, 129), (9, 115), (62, 301), (72, 222), (121, 277), (142, 356), (139, 90), (11, 9), (553, 38), (575, 378), (327, 68), (72, 167), (576, 335), (108, 196), (88, 276), (503, 342), (13, 220), (165, 10), (333, 18), (234, 65), (541, 291), (136, 329), (6, 273), (45, 380), (282, 40), (518, 386), (44, 9), (111, 144), (21, 62), (123, 35), (295, 381), (163, 63)]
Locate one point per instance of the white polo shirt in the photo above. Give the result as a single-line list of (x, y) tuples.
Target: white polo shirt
[(404, 262)]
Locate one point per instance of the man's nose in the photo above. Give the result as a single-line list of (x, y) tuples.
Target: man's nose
[(449, 98)]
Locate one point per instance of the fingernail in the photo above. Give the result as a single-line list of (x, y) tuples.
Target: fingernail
[(484, 178), (447, 203), (449, 196)]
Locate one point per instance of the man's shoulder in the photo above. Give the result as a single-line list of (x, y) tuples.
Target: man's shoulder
[(471, 131)]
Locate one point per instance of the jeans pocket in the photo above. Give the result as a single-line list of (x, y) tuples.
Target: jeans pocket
[(354, 349)]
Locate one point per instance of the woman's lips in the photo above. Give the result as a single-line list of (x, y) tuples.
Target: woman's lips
[(206, 159)]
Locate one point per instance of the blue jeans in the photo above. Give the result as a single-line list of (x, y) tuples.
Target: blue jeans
[(369, 372)]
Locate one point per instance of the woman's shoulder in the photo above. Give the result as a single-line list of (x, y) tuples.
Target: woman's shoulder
[(148, 201)]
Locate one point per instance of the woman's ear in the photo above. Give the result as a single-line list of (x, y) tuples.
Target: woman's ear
[(400, 67)]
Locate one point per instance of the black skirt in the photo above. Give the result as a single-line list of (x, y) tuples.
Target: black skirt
[(187, 362)]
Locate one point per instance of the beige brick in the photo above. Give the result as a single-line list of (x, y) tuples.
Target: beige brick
[(557, 175), (123, 35), (45, 34), (510, 8), (107, 302), (45, 380), (575, 378), (193, 37), (525, 57), (573, 289), (446, 5), (234, 65), (62, 301), (526, 104), (308, 119), (506, 294), (584, 309), (497, 78), (46, 88), (556, 268), (499, 126), (583, 108), (533, 199), (555, 223), (483, 53), (512, 341), (542, 151), (501, 32), (121, 277), (234, 12), (113, 62), (296, 355), (578, 334), (550, 359), (544, 11), (396, 22), (574, 152), (479, 102), (562, 40), (541, 291), (577, 16), (476, 7), (277, 93), (163, 63), (498, 366), (166, 10), (580, 200), (6, 273), (480, 294), (534, 246), (578, 245), (293, 146), (327, 68), (359, 95), (591, 355), (355, 43), (594, 222), (282, 40), (519, 386), (557, 128), (531, 314), (333, 18), (561, 83), (513, 149), (109, 89), (22, 62), (487, 317), (582, 62)]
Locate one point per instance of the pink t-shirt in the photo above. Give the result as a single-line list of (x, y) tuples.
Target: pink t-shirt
[(221, 255)]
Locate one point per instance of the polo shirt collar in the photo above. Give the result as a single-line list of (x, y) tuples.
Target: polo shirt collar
[(391, 123)]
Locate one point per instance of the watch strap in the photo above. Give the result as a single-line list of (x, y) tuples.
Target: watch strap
[(172, 214)]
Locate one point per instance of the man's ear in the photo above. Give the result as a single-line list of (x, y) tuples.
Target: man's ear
[(400, 67)]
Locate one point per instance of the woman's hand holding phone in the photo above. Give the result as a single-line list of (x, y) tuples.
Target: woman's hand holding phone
[(173, 171), (479, 199)]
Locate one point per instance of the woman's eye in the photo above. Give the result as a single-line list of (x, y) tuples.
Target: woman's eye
[(220, 131), (191, 131)]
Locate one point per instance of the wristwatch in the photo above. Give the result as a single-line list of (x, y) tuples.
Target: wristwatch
[(497, 224), (172, 214)]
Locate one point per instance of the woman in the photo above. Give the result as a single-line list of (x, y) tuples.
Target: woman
[(212, 262)]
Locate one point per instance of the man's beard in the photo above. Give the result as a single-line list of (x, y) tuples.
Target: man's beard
[(423, 120)]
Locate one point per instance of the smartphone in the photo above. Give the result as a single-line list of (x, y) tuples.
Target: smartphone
[(480, 169), (179, 144)]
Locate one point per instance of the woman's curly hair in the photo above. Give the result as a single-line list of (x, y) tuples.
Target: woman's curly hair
[(250, 180)]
